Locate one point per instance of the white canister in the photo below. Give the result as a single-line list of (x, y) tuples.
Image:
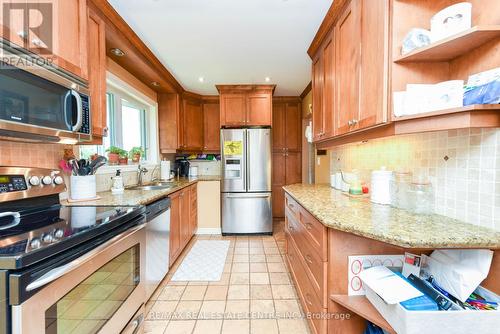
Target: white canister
[(380, 186), (193, 171), (83, 187), (165, 170)]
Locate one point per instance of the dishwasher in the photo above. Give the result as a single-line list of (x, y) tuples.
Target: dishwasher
[(157, 244)]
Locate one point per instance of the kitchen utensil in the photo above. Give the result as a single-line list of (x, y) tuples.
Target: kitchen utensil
[(96, 163)]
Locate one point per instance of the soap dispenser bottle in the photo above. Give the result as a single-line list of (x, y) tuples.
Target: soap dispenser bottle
[(117, 187)]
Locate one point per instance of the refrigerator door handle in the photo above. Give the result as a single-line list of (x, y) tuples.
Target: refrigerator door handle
[(250, 196)]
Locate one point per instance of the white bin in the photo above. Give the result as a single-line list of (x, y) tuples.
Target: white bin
[(83, 187)]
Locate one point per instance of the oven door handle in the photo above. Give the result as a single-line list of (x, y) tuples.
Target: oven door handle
[(79, 109), (15, 221), (67, 268)]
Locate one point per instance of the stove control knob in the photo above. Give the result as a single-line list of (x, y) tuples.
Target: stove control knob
[(47, 180), (34, 181), (58, 180), (35, 243), (47, 238), (59, 233)]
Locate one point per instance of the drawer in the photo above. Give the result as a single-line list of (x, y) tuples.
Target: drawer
[(309, 300), (317, 233), (292, 205), (314, 265)]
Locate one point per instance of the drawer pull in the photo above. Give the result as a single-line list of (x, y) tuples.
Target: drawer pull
[(309, 226), (308, 259), (308, 301), (290, 227)]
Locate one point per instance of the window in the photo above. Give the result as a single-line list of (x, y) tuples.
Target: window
[(128, 121)]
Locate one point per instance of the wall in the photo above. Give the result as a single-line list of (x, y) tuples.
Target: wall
[(467, 183), (126, 76), (209, 215), (31, 154)]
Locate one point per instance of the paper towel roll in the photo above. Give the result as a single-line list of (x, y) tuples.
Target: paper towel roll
[(165, 170)]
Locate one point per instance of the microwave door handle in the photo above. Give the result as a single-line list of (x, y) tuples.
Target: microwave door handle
[(58, 272), (66, 111), (15, 221), (79, 109)]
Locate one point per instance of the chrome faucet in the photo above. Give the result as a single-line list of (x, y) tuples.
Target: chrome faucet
[(141, 171), (157, 177)]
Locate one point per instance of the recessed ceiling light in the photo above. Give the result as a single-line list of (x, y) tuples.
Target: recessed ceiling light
[(201, 79), (156, 84), (268, 79), (117, 52)]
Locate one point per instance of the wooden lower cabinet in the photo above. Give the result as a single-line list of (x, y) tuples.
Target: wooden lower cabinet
[(183, 220)]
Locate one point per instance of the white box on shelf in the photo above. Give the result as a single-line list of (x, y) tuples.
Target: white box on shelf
[(422, 98), (438, 322), (398, 103), (451, 20)]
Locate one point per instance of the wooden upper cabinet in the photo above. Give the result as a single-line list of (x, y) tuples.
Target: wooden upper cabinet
[(328, 101), (56, 30), (97, 74), (279, 135), (293, 127), (169, 122), (211, 126), (348, 44), (246, 105), (233, 109), (192, 117), (259, 109), (317, 91)]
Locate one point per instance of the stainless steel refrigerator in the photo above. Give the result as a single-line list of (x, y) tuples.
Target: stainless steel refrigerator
[(246, 181)]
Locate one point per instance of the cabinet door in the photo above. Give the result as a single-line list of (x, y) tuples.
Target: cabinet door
[(329, 87), (211, 127), (278, 173), (13, 28), (175, 223), (97, 74), (193, 125), (185, 217), (293, 127), (348, 40), (233, 109), (278, 202), (317, 91), (279, 127), (259, 109), (169, 122), (193, 197), (293, 168)]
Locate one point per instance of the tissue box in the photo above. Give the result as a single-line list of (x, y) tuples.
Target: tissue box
[(451, 20), (421, 98), (438, 322)]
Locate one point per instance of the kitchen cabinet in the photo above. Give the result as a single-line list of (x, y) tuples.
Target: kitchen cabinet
[(185, 216), (287, 162), (211, 126), (193, 200), (192, 116), (57, 31), (246, 105), (97, 75), (317, 97), (175, 226), (169, 125)]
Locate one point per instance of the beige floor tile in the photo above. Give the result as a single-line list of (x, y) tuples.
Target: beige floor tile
[(279, 278), (272, 251), (276, 268), (207, 327), (195, 292), (293, 326), (240, 267), (171, 293), (191, 283), (259, 278), (187, 310), (258, 267), (283, 292), (178, 283), (227, 268), (236, 326), (274, 258), (162, 310), (216, 292), (241, 258), (287, 308), (256, 251), (241, 251), (223, 281), (264, 326), (255, 243), (212, 309), (257, 258), (180, 326), (155, 327), (261, 309), (238, 292), (240, 278), (237, 309), (260, 292)]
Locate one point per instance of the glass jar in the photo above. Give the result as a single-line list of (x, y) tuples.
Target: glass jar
[(399, 186), (421, 198)]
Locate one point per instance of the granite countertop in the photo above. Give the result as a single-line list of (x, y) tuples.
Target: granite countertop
[(391, 225), (141, 197)]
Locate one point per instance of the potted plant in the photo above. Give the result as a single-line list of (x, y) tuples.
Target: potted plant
[(123, 157), (113, 155), (136, 153)]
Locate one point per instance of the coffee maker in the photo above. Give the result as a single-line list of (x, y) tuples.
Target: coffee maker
[(181, 167)]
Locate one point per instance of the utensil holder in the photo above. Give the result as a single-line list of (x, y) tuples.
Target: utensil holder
[(83, 187)]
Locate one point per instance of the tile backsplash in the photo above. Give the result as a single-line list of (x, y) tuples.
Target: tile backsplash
[(463, 166), (31, 154)]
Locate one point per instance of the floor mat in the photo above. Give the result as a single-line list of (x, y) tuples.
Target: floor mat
[(204, 262)]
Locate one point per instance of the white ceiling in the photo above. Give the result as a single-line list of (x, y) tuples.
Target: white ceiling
[(229, 41)]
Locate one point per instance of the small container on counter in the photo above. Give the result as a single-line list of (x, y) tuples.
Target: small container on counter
[(380, 186), (421, 197), (83, 187), (399, 186)]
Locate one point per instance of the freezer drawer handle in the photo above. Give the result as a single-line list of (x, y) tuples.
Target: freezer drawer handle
[(67, 268), (253, 196)]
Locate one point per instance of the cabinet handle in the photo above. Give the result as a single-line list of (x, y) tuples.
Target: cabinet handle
[(36, 42), (308, 259), (349, 123), (22, 34), (355, 121), (309, 226), (290, 227), (105, 131)]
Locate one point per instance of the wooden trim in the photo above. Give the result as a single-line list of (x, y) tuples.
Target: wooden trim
[(287, 99), (381, 131), (331, 16), (306, 90), (122, 73), (244, 88)]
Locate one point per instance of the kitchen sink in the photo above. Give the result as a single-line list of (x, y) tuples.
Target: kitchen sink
[(153, 186)]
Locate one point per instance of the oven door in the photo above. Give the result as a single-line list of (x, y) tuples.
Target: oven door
[(97, 292)]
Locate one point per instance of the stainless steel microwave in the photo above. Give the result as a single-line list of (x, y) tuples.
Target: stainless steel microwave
[(39, 101)]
